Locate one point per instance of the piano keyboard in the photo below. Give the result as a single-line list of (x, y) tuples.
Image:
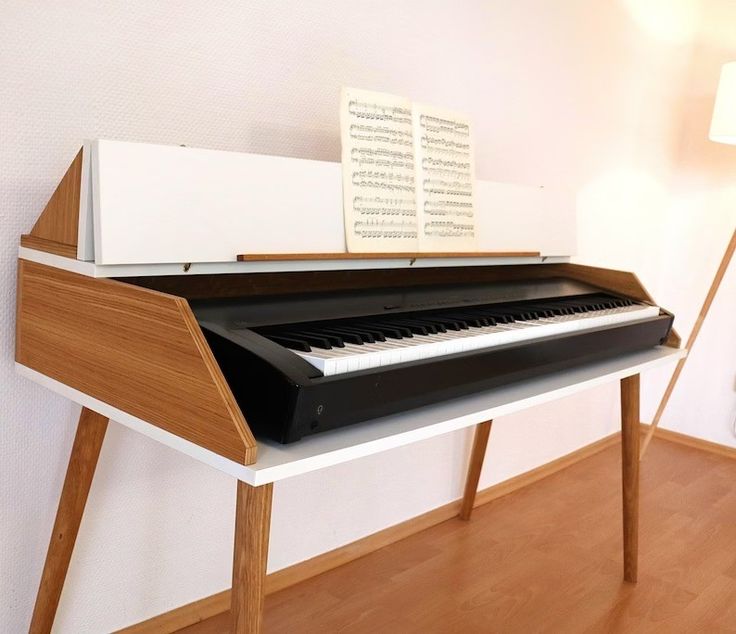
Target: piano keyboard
[(349, 345)]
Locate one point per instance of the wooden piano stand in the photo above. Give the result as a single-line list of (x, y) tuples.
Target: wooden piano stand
[(253, 514), (104, 319)]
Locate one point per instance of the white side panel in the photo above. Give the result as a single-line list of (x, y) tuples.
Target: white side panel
[(521, 218), (156, 204), (85, 234)]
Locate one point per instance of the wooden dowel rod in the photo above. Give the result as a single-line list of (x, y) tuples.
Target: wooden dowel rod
[(720, 273)]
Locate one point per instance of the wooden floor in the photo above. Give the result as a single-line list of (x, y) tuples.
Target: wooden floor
[(544, 559)]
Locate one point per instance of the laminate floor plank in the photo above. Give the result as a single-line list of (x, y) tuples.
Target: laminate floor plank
[(546, 559)]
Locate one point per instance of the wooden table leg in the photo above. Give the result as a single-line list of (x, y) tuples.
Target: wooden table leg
[(630, 434), (252, 526), (79, 473), (477, 454)]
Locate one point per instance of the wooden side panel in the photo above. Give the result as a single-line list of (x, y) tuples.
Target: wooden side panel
[(139, 350), (616, 281), (59, 222), (619, 281)]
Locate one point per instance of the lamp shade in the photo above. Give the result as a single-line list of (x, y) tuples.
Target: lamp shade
[(723, 124)]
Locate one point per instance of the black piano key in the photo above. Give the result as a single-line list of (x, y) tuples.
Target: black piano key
[(349, 335), (560, 308), (288, 342), (470, 321), (448, 322), (313, 340), (577, 305), (413, 326), (482, 320), (370, 335), (433, 326), (516, 313), (389, 331), (403, 330), (500, 318), (530, 314), (542, 311), (332, 338)]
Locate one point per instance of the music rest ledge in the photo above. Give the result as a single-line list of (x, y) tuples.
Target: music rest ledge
[(132, 351)]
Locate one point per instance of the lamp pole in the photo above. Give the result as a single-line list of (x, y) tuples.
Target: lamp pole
[(722, 130)]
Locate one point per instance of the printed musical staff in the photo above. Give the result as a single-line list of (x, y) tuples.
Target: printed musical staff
[(444, 191), (379, 186), (407, 176)]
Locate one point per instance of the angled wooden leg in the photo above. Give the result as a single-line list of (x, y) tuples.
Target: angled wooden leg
[(252, 525), (630, 433), (82, 462), (477, 454)]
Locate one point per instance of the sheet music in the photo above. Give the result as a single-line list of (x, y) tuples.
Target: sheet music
[(444, 185), (378, 172)]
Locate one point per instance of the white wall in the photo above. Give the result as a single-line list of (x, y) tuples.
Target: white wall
[(609, 97)]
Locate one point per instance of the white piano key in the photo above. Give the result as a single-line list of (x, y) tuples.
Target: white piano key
[(355, 357)]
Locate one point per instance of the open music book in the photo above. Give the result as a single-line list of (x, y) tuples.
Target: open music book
[(408, 175)]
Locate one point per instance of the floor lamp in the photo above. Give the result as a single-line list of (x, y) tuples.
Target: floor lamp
[(722, 130)]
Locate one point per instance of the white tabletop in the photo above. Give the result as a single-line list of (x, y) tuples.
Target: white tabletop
[(278, 462)]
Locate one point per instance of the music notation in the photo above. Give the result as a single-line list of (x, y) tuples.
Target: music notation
[(443, 155), (379, 187), (407, 175)]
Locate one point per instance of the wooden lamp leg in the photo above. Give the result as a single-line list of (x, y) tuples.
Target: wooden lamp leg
[(720, 273), (630, 434), (82, 462), (477, 454), (252, 526)]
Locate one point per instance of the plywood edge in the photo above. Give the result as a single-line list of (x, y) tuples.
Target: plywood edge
[(59, 221), (691, 441), (623, 282), (30, 241), (219, 381), (210, 606), (136, 349)]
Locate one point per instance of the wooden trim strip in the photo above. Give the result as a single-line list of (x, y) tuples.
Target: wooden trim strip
[(691, 441), (49, 246), (290, 257), (218, 603)]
